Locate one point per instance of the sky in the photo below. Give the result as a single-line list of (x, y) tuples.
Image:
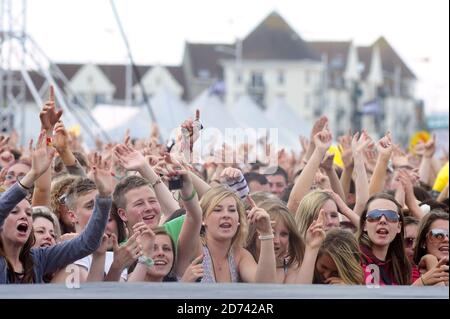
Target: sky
[(86, 30)]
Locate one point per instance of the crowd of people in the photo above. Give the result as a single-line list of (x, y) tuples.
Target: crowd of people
[(137, 211)]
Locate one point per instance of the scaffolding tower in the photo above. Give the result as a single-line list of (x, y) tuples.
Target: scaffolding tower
[(20, 58)]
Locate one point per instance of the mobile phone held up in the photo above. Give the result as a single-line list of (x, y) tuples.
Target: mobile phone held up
[(175, 183)]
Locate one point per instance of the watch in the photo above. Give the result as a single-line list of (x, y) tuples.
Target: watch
[(146, 261)]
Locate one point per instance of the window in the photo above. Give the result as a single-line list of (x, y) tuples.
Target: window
[(307, 101), (280, 77), (257, 79), (238, 78), (204, 74), (100, 98), (281, 96), (307, 77)]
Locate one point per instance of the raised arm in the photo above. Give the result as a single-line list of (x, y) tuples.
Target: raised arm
[(265, 270), (361, 183), (327, 166), (61, 143), (410, 198), (378, 180), (322, 141), (314, 239), (189, 239), (317, 127), (89, 240), (347, 158), (41, 159), (426, 162)]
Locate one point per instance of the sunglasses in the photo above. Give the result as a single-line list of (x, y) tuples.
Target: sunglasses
[(376, 214), (437, 235), (409, 241), (62, 199)]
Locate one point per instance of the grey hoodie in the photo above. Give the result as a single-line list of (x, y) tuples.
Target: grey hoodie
[(47, 260)]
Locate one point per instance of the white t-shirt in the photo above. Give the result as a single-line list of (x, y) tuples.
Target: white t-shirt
[(87, 261)]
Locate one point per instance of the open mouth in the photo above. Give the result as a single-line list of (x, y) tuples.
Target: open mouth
[(22, 228), (160, 263), (225, 225), (443, 249), (382, 231), (149, 218), (46, 244)]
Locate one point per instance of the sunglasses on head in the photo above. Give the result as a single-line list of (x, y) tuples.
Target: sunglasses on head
[(409, 241), (437, 235), (376, 214)]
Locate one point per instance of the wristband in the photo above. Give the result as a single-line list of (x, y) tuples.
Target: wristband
[(190, 196), (266, 237)]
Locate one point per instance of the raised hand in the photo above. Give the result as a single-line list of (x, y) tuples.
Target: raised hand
[(318, 126), (49, 116), (430, 147), (260, 218), (126, 254), (128, 158), (323, 139), (360, 143), (231, 174), (327, 163), (60, 137), (102, 176), (345, 142), (384, 146), (315, 234), (105, 243), (42, 156), (194, 271), (304, 143), (145, 238), (406, 181), (322, 180)]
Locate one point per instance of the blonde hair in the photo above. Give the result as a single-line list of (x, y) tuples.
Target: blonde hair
[(342, 247), (277, 211), (213, 197), (309, 210)]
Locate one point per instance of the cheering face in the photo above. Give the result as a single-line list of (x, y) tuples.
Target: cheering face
[(163, 257), (141, 205), (44, 232), (223, 221), (383, 230), (326, 267), (18, 225), (437, 239), (331, 215)]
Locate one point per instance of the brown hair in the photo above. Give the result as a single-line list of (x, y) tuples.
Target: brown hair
[(79, 187), (401, 267), (424, 227), (279, 211), (26, 260), (124, 186)]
